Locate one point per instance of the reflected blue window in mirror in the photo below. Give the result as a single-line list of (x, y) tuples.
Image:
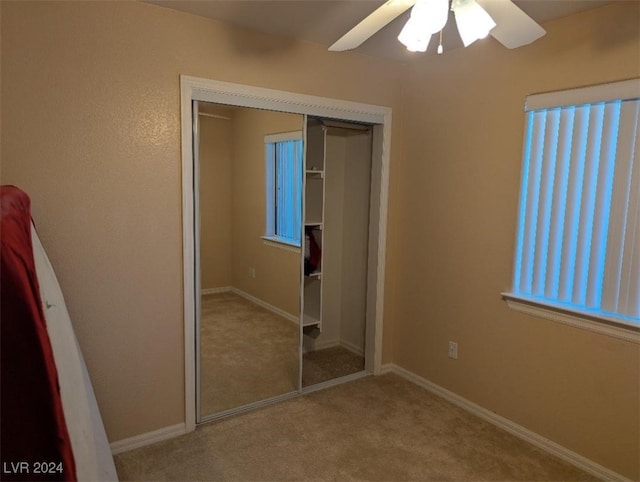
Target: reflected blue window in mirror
[(283, 153)]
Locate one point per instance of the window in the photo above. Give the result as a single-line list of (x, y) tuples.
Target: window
[(578, 239), (284, 187)]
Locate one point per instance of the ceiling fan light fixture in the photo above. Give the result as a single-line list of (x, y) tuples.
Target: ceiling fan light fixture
[(414, 37), (427, 18), (432, 15), (472, 20)]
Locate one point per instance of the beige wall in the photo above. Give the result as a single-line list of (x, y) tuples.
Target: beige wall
[(344, 252), (332, 254), (91, 130), (215, 156), (355, 238), (458, 192), (277, 270), (232, 192)]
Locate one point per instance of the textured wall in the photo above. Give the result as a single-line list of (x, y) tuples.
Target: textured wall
[(232, 209), (458, 192), (216, 160), (91, 130), (277, 271)]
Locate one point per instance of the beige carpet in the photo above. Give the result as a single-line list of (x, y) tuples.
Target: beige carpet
[(335, 362), (376, 428), (247, 353)]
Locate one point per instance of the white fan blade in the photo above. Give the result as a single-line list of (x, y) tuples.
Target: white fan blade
[(380, 17), (514, 28)]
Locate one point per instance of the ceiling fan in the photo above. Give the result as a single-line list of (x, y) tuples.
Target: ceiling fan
[(475, 19)]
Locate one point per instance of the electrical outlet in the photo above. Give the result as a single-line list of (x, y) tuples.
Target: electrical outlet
[(453, 350), (252, 272)]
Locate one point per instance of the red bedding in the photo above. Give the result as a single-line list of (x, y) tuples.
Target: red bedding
[(34, 441)]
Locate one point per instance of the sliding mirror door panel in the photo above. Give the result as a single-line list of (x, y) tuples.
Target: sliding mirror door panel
[(249, 160)]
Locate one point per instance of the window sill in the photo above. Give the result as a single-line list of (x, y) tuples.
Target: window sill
[(280, 243), (627, 331)]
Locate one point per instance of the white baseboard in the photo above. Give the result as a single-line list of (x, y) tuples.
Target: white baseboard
[(265, 305), (314, 345), (513, 428), (253, 299), (211, 291), (148, 438), (324, 344), (353, 348)]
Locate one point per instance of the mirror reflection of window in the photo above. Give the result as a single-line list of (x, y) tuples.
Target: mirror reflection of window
[(283, 153)]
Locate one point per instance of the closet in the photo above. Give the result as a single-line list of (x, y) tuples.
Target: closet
[(268, 320), (337, 191)]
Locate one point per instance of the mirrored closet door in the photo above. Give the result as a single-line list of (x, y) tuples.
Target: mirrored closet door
[(336, 227), (249, 263), (284, 254)]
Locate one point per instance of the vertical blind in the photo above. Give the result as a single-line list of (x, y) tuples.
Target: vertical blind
[(284, 189), (289, 189), (578, 241)]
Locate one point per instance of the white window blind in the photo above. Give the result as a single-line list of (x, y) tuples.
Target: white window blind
[(284, 187), (578, 240)]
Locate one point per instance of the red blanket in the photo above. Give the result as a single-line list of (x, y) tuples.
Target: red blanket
[(34, 441)]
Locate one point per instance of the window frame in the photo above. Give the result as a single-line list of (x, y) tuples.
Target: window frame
[(617, 327), (271, 237)]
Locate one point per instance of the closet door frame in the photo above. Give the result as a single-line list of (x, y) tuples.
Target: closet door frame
[(199, 89)]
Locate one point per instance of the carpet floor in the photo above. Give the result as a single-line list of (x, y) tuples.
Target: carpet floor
[(376, 428), (323, 365), (247, 353)]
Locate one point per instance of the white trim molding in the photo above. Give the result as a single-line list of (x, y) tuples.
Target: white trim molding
[(228, 93), (253, 299), (274, 242), (213, 291), (148, 438), (283, 137), (198, 89), (310, 345), (266, 306), (624, 89), (575, 319), (352, 347), (503, 423)]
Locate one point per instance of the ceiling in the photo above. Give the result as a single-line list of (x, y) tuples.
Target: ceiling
[(325, 21)]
